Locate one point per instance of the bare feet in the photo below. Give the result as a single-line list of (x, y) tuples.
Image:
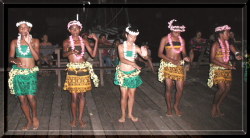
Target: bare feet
[(169, 113), (35, 123), (122, 120), (214, 112), (134, 119), (82, 124), (27, 126), (219, 112), (73, 123), (177, 111)]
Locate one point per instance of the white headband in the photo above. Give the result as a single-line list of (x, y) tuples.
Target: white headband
[(222, 28), (131, 32), (175, 28), (74, 22), (23, 22)]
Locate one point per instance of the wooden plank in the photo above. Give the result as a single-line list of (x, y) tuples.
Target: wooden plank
[(144, 124), (95, 120), (104, 116), (54, 123)]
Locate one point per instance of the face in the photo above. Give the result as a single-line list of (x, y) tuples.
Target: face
[(225, 35), (24, 29), (231, 35), (75, 30), (131, 38), (176, 33), (92, 44), (198, 34), (45, 38), (117, 43)]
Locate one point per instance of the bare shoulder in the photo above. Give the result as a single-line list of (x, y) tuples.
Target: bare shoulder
[(14, 41), (35, 40)]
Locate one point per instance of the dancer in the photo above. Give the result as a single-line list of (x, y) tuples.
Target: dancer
[(171, 67), (79, 71), (220, 73), (23, 75), (127, 72)]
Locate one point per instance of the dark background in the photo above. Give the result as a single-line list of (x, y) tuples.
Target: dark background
[(151, 20)]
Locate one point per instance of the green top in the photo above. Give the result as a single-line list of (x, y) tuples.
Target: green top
[(23, 49)]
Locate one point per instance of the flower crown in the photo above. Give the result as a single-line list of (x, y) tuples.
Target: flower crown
[(74, 22), (175, 28), (131, 32), (222, 28), (23, 22)]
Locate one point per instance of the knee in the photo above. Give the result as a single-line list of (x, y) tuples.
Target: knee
[(73, 100), (23, 102)]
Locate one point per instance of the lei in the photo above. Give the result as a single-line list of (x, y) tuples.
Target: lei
[(73, 46), (171, 43), (126, 49), (19, 45), (225, 50)]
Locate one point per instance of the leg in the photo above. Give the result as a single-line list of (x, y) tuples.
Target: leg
[(33, 103), (179, 86), (191, 55), (217, 98), (124, 102), (73, 108), (81, 97), (169, 86), (151, 65), (26, 109), (108, 63), (131, 100), (227, 89)]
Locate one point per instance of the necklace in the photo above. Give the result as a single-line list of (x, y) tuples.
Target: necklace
[(73, 46), (171, 43), (225, 50), (126, 49), (19, 45)]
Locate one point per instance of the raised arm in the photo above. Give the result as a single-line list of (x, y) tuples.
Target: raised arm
[(92, 52)]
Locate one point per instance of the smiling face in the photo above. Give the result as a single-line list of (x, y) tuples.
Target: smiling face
[(75, 30), (24, 29)]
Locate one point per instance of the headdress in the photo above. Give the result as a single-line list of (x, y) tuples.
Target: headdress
[(222, 28), (74, 22), (131, 32), (23, 22), (175, 28)]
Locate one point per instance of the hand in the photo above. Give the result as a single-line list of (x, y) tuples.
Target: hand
[(238, 57), (144, 51), (187, 59), (176, 62), (27, 38), (17, 62), (137, 67), (231, 67), (93, 36)]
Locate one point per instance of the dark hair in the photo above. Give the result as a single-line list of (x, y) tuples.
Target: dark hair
[(117, 40), (101, 35), (132, 28)]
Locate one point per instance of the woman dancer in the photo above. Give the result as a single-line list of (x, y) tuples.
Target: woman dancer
[(220, 68), (171, 67), (23, 75), (79, 70), (127, 72)]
